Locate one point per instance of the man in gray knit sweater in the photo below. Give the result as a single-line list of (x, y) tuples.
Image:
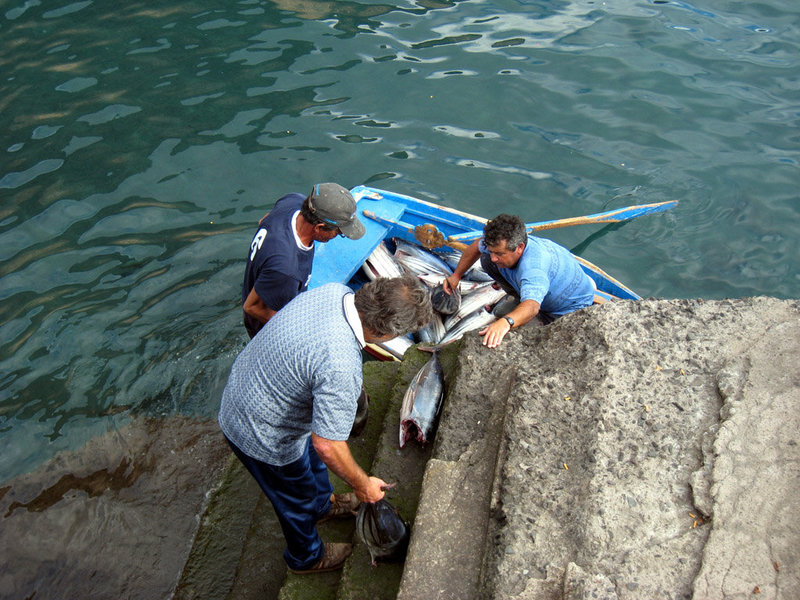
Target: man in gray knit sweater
[(289, 404)]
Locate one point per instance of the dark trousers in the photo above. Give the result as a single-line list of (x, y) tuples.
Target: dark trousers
[(300, 493)]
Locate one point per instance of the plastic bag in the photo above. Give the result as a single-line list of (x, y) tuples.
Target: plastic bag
[(443, 302), (383, 531)]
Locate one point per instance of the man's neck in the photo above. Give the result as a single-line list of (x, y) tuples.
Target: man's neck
[(305, 231)]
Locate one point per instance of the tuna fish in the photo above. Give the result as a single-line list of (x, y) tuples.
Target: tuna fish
[(474, 273), (433, 332), (477, 320), (464, 286), (381, 263), (418, 261), (485, 296), (383, 531), (397, 346), (422, 402)]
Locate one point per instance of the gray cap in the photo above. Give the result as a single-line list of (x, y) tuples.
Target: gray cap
[(336, 206)]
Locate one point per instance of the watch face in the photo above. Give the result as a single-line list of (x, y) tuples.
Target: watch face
[(510, 321)]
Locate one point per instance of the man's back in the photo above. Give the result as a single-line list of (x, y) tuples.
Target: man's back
[(548, 273), (278, 266)]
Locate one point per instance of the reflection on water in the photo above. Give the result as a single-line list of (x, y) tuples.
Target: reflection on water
[(142, 142)]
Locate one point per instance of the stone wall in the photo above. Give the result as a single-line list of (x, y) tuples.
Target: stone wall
[(649, 450)]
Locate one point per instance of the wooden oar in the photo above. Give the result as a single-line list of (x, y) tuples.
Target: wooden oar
[(611, 216), (427, 235)]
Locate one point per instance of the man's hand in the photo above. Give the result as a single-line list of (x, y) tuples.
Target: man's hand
[(337, 457), (448, 287), (494, 333), (373, 491), (468, 257)]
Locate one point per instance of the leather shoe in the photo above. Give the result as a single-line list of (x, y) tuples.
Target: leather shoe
[(343, 505), (335, 555)]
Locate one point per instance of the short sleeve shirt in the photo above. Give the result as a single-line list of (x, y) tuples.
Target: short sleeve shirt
[(278, 265), (550, 275), (300, 374)]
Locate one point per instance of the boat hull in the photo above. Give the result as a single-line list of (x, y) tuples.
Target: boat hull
[(424, 223)]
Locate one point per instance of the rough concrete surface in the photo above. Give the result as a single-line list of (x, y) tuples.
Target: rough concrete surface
[(634, 450), (650, 450)]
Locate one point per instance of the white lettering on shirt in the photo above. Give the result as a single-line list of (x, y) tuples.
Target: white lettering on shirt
[(258, 240)]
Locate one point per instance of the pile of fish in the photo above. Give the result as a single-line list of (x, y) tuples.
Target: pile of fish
[(478, 295)]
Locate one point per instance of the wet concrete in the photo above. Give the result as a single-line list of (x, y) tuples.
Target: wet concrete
[(115, 519)]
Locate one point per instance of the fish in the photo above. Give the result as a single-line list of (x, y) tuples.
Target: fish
[(397, 346), (474, 273), (433, 332), (443, 302), (383, 531), (464, 286), (484, 296), (417, 261), (422, 402), (381, 263), (476, 320)]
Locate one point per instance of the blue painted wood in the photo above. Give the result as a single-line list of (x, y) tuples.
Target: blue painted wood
[(339, 259)]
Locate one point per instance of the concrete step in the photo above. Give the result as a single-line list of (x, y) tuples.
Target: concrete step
[(237, 553), (380, 381)]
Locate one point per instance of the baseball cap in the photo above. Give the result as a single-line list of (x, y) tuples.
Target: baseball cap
[(336, 206)]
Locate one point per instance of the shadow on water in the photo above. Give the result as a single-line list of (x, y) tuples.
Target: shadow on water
[(581, 248)]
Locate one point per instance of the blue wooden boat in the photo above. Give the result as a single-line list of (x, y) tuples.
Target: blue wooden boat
[(388, 215)]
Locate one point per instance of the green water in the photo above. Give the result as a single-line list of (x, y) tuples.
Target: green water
[(142, 141)]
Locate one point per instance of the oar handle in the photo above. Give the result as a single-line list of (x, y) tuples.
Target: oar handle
[(611, 216)]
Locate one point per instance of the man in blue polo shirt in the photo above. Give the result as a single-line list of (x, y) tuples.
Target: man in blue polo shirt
[(545, 278), (282, 250), (289, 404)]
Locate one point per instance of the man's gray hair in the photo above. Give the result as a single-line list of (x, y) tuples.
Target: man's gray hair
[(394, 305), (505, 227)]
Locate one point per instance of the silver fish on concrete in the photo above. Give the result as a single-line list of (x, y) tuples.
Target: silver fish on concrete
[(477, 320), (422, 402)]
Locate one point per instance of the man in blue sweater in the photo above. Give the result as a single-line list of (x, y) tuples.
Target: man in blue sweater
[(282, 250), (289, 404), (545, 278)]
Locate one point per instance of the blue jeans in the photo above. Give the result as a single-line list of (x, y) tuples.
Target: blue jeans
[(300, 493)]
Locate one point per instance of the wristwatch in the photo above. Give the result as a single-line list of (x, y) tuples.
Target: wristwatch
[(510, 321)]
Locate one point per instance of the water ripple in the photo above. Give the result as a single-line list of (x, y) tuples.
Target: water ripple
[(143, 142)]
